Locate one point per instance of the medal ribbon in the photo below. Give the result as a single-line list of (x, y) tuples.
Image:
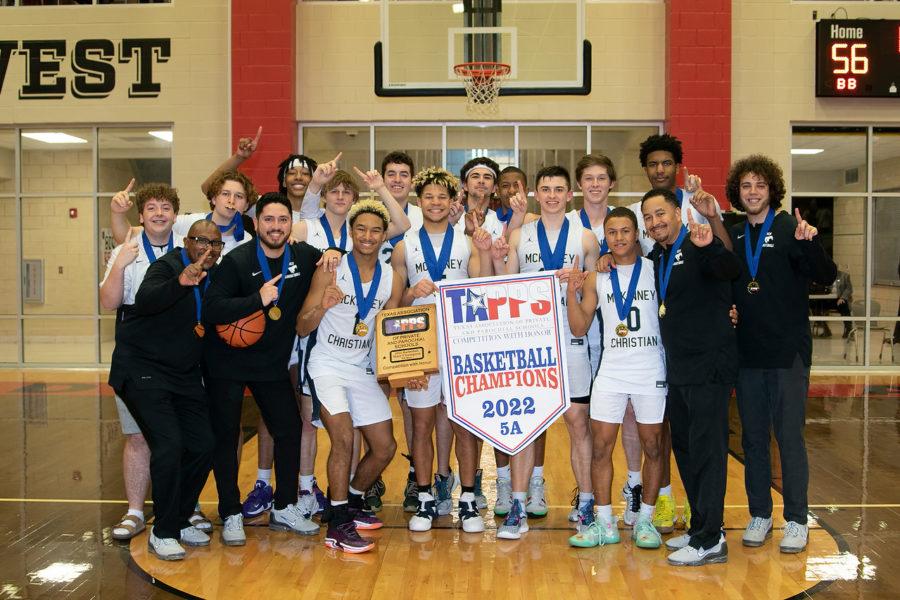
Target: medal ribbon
[(604, 247), (623, 306), (197, 300), (437, 265), (667, 271), (236, 222), (505, 217), (364, 303), (148, 247), (753, 257), (267, 273), (327, 227), (553, 260), (393, 241)]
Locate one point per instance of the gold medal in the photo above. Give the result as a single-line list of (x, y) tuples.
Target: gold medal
[(199, 330), (621, 330), (274, 313), (361, 329), (662, 310), (753, 287)]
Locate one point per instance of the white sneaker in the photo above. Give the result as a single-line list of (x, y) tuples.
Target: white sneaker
[(290, 518), (757, 532), (632, 497), (233, 531), (191, 536), (504, 496), (472, 522), (425, 514), (536, 505), (678, 542), (795, 537), (164, 548), (693, 557)]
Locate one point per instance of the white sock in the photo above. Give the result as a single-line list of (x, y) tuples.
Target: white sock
[(647, 509), (425, 497), (136, 513), (520, 496), (264, 475), (666, 491), (503, 472), (306, 482), (354, 491), (338, 502), (467, 497), (538, 471), (604, 511), (634, 478), (585, 498)]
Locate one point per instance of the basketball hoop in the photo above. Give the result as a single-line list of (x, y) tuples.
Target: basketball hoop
[(482, 81)]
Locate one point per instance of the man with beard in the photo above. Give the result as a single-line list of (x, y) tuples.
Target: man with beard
[(273, 277)]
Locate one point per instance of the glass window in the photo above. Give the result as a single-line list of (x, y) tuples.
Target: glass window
[(9, 284), (57, 161), (828, 159), (886, 256), (621, 143), (422, 143), (541, 147), (886, 159), (465, 143), (143, 153)]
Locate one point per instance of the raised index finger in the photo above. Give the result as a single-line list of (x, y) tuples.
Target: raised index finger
[(797, 214), (274, 280), (337, 158), (690, 217), (205, 255), (129, 186), (258, 134), (575, 263)]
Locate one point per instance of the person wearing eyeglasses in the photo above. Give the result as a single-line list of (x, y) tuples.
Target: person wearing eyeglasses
[(155, 369)]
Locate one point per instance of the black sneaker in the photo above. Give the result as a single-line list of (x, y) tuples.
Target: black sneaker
[(374, 493)]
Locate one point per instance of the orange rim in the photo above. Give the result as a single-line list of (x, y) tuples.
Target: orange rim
[(482, 70)]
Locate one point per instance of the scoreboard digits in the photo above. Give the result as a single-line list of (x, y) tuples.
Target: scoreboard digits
[(858, 58)]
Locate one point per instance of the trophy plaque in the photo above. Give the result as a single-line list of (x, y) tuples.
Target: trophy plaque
[(406, 343)]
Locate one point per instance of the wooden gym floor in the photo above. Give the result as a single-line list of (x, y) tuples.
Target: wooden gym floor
[(62, 491)]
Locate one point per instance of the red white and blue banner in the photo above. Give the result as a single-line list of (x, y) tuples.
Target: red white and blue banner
[(503, 362)]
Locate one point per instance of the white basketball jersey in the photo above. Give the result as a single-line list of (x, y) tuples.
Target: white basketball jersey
[(594, 335), (415, 221), (492, 224), (456, 267), (529, 252), (337, 344), (134, 272), (635, 362), (318, 239)]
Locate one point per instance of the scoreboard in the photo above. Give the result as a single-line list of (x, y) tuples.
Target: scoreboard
[(858, 58)]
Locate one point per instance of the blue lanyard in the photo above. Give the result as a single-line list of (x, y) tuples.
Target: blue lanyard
[(236, 222), (667, 271), (553, 260), (753, 257), (267, 273), (604, 248), (436, 265), (148, 247), (364, 303), (623, 306), (197, 300), (327, 227)]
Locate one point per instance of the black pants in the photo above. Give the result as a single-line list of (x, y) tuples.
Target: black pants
[(775, 399), (279, 411), (177, 430), (698, 416)]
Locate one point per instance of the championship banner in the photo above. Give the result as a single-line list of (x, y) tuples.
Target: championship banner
[(503, 356)]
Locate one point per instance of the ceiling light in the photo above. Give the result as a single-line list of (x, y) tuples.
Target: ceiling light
[(54, 137), (165, 135), (457, 7), (807, 150)]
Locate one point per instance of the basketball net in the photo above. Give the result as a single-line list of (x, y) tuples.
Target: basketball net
[(482, 82)]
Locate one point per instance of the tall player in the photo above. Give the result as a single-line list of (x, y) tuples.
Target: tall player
[(341, 309), (632, 369), (430, 253), (552, 243)]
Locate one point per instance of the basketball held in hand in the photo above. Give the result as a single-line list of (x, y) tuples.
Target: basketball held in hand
[(243, 332)]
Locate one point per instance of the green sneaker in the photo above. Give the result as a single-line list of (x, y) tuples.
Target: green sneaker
[(587, 537), (609, 530), (645, 534)]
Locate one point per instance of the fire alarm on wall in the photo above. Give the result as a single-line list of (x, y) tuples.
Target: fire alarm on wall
[(73, 213)]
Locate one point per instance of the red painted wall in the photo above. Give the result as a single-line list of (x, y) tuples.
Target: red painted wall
[(698, 84), (262, 84)]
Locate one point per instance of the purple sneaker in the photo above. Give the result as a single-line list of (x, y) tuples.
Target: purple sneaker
[(258, 501), (365, 519), (320, 496), (345, 537)]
